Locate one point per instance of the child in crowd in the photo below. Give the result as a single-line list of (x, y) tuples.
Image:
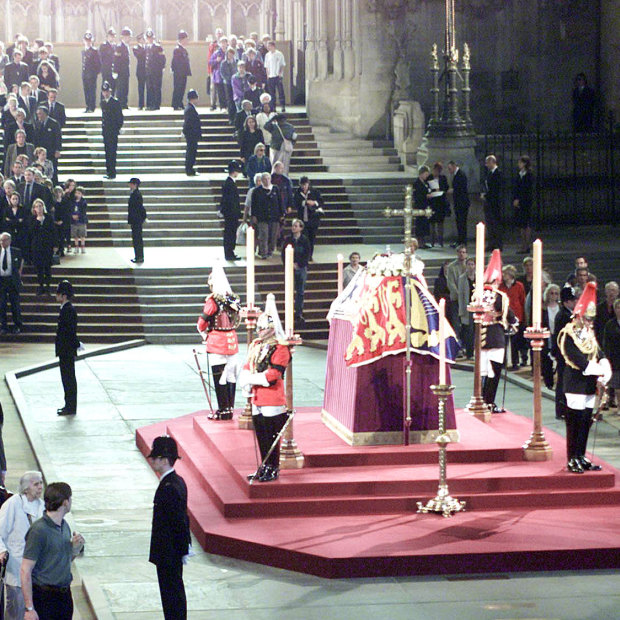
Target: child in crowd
[(79, 219)]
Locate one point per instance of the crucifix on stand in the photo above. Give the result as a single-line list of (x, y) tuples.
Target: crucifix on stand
[(408, 213)]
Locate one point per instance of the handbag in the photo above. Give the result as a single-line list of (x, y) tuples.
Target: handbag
[(287, 145), (241, 233)]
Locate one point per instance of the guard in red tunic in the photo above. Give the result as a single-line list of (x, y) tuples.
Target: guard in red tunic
[(585, 367), (262, 378), (217, 325)]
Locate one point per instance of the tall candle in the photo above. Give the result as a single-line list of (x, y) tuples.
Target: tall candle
[(479, 261), (340, 259), (249, 267), (537, 285), (442, 342), (289, 290)]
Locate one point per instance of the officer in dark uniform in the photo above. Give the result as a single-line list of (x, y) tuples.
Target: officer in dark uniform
[(230, 210), (568, 300), (91, 66), (155, 63), (111, 123), (139, 51), (192, 131), (170, 534), (136, 216), (121, 68), (67, 344), (180, 70), (106, 53)]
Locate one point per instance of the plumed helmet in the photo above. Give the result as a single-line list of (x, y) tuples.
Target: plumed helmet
[(493, 273), (64, 288), (218, 281), (269, 319), (586, 305)]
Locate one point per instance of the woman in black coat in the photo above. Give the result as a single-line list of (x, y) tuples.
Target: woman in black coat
[(522, 200), (421, 190), (15, 222), (249, 138), (42, 236), (439, 204)]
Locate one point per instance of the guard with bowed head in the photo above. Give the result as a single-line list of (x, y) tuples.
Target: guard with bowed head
[(217, 325), (262, 379)]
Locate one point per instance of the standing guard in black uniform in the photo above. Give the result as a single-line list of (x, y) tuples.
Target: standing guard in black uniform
[(586, 366), (181, 69), (136, 216), (230, 209), (111, 123), (121, 68), (192, 130), (139, 51), (568, 301), (91, 66), (106, 53), (67, 345), (155, 63)]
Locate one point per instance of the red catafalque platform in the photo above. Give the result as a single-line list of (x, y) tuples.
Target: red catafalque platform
[(351, 511)]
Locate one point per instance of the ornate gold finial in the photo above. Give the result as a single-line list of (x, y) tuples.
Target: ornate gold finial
[(434, 58), (466, 64)]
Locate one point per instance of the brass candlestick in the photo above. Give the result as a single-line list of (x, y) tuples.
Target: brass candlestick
[(443, 502), (291, 457), (477, 407), (536, 448), (250, 315)]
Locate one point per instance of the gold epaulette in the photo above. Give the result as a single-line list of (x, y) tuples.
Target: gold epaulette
[(585, 341)]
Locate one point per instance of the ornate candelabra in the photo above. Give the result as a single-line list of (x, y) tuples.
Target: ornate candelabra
[(249, 314), (291, 456), (536, 448), (477, 407), (443, 502)]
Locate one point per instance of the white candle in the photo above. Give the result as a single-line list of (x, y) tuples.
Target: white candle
[(289, 290), (479, 261), (249, 267), (537, 285), (442, 342), (340, 259)]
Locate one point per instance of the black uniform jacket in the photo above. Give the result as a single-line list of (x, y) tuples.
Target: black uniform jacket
[(136, 213), (461, 193), (180, 61), (67, 342), (192, 129), (229, 206), (111, 116)]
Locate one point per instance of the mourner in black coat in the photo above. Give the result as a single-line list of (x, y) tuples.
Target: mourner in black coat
[(111, 124), (136, 216), (170, 534), (421, 190), (460, 197), (47, 133), (67, 344), (56, 109), (192, 131), (181, 69), (11, 263), (16, 72), (91, 67), (493, 196), (42, 240), (309, 206), (230, 209)]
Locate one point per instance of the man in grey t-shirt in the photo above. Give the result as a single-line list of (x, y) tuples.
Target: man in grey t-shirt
[(46, 565)]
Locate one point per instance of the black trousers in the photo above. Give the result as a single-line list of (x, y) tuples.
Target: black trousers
[(141, 90), (66, 363), (178, 90), (493, 222), (110, 144), (89, 82), (560, 396), (310, 232), (9, 293), (490, 384), (122, 89), (136, 239), (273, 85), (52, 604), (153, 91), (225, 393), (172, 591), (267, 429), (230, 237), (461, 225), (190, 154)]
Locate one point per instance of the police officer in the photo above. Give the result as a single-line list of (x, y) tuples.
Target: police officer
[(230, 210), (121, 67), (155, 63), (139, 51), (111, 123), (192, 131), (106, 53), (181, 69), (136, 216), (67, 344), (91, 66)]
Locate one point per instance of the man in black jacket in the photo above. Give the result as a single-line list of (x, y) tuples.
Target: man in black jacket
[(67, 344), (180, 71), (29, 190), (309, 205), (11, 264), (17, 71), (230, 209), (136, 216), (91, 66), (139, 51), (111, 123), (492, 196), (56, 109), (121, 67), (192, 131), (568, 300), (460, 197), (47, 133), (106, 54), (170, 534)]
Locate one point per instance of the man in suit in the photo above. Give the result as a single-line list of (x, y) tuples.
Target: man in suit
[(460, 197), (67, 344), (492, 197), (53, 57), (136, 216), (139, 51), (91, 66), (230, 210), (192, 131), (47, 134), (38, 93), (170, 535), (30, 191), (56, 109), (17, 71), (26, 101), (121, 67), (11, 264), (106, 54), (154, 66), (111, 123), (180, 70)]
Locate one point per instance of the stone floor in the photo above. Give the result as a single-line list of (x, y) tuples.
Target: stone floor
[(113, 489)]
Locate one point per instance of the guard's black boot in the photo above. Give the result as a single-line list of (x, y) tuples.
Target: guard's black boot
[(221, 393), (585, 421), (572, 441)]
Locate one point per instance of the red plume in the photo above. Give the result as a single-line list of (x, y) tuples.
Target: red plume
[(493, 273), (586, 305)]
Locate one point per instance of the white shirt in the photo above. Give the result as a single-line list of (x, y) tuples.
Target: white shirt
[(9, 270), (274, 63)]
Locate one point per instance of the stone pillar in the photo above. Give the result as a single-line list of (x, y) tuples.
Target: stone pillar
[(45, 23), (322, 51), (8, 24), (59, 18), (195, 21), (310, 40), (358, 43), (347, 51), (279, 33), (147, 12), (90, 20), (338, 35), (265, 17)]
